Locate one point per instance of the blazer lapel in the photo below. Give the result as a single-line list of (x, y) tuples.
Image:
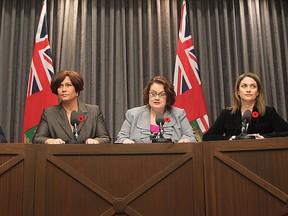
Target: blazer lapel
[(62, 119), (144, 126), (251, 125), (142, 122), (238, 119), (169, 119), (169, 124), (82, 113)]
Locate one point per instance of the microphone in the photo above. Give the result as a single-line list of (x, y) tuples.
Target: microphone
[(159, 138), (74, 121), (246, 118), (160, 121)]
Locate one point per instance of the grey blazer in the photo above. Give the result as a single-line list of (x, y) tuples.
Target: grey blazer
[(54, 124), (137, 126)]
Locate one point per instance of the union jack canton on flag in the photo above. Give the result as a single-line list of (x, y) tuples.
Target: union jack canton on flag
[(187, 83), (39, 94)]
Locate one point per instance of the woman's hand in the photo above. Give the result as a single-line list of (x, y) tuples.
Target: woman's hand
[(258, 136), (92, 141), (128, 141), (54, 141), (184, 141)]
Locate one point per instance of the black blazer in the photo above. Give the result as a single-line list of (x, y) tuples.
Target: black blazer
[(2, 136), (227, 125)]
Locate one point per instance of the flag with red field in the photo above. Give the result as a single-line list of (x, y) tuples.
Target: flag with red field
[(39, 94), (187, 83)]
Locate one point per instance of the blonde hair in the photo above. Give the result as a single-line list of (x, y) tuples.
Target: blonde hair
[(260, 99)]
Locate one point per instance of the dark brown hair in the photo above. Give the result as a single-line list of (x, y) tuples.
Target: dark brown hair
[(168, 88), (76, 79)]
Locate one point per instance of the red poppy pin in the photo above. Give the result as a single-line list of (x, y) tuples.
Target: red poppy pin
[(81, 118), (255, 114), (167, 119)]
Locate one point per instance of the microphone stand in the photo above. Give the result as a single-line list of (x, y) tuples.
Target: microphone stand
[(160, 138), (243, 134), (76, 135)]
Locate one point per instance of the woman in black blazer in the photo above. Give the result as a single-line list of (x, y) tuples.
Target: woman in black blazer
[(248, 95), (55, 127)]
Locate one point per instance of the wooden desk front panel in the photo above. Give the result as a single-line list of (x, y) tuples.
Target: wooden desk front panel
[(241, 178), (157, 179), (16, 179), (247, 177)]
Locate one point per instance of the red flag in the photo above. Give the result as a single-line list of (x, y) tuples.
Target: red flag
[(187, 83), (39, 94)]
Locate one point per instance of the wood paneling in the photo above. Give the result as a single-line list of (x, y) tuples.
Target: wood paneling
[(157, 179), (16, 179), (246, 177), (241, 177)]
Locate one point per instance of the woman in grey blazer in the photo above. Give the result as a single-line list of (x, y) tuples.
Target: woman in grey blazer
[(55, 126), (140, 124)]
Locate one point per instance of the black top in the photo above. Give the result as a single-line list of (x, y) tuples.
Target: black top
[(227, 125), (2, 136)]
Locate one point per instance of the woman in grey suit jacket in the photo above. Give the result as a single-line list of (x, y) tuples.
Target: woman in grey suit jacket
[(55, 127), (140, 125)]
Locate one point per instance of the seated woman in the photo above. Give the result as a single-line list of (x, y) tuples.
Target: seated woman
[(140, 124), (55, 126), (248, 95)]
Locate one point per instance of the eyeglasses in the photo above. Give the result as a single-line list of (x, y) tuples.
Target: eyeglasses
[(155, 94)]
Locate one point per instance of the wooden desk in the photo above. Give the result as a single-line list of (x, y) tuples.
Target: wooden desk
[(17, 172), (246, 177), (243, 177), (142, 179)]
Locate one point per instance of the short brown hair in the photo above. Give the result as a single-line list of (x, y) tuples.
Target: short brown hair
[(168, 88), (76, 79)]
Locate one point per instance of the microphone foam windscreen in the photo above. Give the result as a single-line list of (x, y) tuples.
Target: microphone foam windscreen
[(159, 118), (74, 118), (247, 116)]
